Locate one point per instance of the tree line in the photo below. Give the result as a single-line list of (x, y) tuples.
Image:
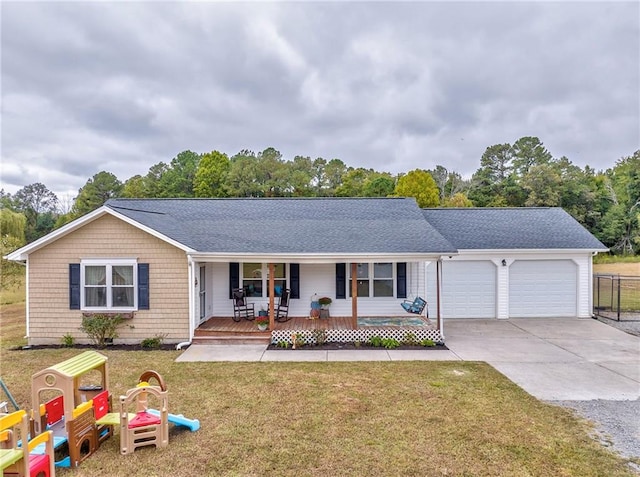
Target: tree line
[(522, 174)]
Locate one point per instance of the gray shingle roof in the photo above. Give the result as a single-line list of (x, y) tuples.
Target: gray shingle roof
[(511, 228), (281, 226)]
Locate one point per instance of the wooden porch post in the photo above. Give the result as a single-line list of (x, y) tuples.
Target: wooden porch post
[(354, 296), (272, 321), (438, 316)]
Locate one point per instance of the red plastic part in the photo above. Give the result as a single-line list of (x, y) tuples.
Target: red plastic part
[(144, 419), (54, 410), (101, 405), (39, 465)]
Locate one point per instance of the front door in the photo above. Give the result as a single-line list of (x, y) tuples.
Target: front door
[(203, 296)]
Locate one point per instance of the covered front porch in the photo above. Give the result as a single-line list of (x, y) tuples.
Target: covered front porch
[(373, 286)]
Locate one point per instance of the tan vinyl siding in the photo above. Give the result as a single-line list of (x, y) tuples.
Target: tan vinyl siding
[(108, 237)]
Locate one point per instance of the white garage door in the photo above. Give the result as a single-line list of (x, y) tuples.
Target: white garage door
[(469, 289), (542, 288)]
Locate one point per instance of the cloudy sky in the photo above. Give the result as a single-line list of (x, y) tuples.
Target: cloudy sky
[(121, 86)]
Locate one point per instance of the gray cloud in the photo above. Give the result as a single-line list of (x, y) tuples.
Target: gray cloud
[(392, 86)]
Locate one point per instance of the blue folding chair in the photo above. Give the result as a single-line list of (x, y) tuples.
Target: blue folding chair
[(416, 306)]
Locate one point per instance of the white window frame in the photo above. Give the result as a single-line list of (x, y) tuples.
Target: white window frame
[(371, 279), (264, 277), (108, 264)]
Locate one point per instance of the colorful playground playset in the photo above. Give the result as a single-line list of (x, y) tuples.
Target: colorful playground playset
[(68, 428)]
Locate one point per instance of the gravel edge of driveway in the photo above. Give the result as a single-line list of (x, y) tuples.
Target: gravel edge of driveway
[(616, 423), (628, 326), (613, 423)]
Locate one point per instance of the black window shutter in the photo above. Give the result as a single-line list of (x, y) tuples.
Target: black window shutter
[(74, 286), (401, 279), (341, 280), (234, 277), (143, 286), (294, 279)]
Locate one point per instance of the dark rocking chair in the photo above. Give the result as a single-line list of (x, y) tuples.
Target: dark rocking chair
[(282, 311), (416, 306), (242, 309)]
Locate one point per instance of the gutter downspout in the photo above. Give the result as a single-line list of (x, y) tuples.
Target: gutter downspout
[(354, 296), (192, 310), (28, 321), (439, 296), (25, 264), (591, 311), (272, 296)]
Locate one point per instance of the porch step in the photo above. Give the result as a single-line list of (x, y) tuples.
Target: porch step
[(222, 337)]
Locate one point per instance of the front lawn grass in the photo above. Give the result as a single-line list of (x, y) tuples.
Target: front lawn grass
[(337, 419)]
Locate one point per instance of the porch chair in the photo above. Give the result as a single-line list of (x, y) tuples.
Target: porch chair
[(241, 308), (282, 311), (416, 306)]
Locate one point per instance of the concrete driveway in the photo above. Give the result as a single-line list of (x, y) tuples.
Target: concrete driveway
[(554, 359)]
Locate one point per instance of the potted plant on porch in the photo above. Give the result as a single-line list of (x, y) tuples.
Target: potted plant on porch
[(262, 322), (325, 301)]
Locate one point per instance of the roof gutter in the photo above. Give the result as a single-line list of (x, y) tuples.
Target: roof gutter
[(514, 251), (316, 257)]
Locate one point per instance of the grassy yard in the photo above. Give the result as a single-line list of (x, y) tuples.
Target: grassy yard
[(14, 294), (303, 419), (619, 268), (605, 258)]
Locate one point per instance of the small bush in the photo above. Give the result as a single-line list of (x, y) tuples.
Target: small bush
[(376, 341), (68, 341), (427, 342), (320, 336), (100, 327), (153, 343), (390, 343), (298, 340)]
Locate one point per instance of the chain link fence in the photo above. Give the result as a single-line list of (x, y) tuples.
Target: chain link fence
[(616, 297)]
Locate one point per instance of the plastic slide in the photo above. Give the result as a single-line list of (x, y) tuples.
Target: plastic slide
[(179, 420)]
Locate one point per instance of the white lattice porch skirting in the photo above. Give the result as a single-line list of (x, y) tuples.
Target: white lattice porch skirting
[(362, 335)]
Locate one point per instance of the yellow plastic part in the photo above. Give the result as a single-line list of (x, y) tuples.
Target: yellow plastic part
[(112, 419), (78, 365), (82, 408), (12, 427), (11, 420)]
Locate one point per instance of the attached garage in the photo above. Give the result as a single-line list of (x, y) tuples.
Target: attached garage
[(543, 288), (513, 263)]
